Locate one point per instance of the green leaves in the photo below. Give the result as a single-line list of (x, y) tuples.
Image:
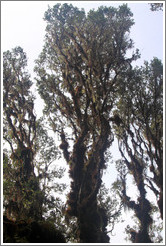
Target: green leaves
[(141, 134), (87, 51), (91, 93), (21, 186)]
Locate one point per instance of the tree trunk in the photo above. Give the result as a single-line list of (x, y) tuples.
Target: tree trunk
[(86, 173)]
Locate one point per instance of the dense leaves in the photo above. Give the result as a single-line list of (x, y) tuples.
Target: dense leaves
[(33, 232), (26, 187), (141, 139), (92, 95), (20, 133), (78, 73)]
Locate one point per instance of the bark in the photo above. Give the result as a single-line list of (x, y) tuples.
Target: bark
[(86, 174), (142, 208)]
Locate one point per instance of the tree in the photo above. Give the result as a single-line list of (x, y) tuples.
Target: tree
[(92, 95), (141, 139), (27, 197), (20, 133), (156, 6), (141, 207), (78, 76)]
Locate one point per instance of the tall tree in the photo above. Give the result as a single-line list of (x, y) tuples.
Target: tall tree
[(78, 76), (140, 137), (20, 134), (27, 198)]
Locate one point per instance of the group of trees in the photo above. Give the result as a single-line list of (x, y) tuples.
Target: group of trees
[(92, 95)]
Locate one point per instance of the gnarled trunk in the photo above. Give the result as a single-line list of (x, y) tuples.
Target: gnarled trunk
[(86, 173)]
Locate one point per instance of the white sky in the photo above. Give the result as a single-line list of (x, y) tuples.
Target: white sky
[(23, 25)]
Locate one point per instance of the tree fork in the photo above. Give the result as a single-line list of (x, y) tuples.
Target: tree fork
[(86, 175)]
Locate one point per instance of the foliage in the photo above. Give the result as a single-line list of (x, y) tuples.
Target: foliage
[(26, 192), (156, 6), (141, 207), (141, 136), (92, 95), (78, 75), (109, 201), (49, 173), (31, 232), (156, 229), (19, 132)]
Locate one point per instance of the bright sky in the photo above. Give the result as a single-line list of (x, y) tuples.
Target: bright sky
[(23, 25)]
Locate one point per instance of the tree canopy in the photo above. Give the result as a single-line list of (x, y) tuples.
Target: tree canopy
[(92, 96), (156, 6), (26, 193), (78, 76)]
